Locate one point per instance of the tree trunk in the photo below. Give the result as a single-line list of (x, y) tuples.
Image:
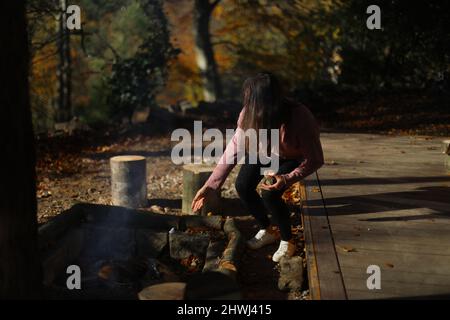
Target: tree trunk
[(204, 51), (64, 112), (20, 272)]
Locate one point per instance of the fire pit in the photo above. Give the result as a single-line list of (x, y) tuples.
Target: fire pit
[(121, 251)]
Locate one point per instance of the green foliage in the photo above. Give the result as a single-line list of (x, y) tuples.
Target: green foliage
[(412, 48), (135, 81), (98, 111)]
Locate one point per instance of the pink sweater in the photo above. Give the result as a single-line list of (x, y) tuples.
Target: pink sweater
[(299, 139)]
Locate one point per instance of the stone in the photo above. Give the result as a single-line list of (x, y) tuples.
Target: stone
[(150, 244), (183, 245), (213, 254), (57, 260), (291, 273)]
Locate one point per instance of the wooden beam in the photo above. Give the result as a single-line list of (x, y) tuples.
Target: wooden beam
[(324, 273)]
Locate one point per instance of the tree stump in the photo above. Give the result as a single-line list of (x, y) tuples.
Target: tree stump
[(164, 291), (446, 151), (194, 177), (129, 181)]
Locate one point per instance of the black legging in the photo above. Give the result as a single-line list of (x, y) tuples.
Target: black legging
[(248, 178)]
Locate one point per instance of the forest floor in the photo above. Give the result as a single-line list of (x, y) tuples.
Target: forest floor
[(75, 168), (393, 113)]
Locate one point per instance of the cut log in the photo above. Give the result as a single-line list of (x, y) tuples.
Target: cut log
[(194, 177), (164, 291), (128, 181), (446, 151), (446, 147)]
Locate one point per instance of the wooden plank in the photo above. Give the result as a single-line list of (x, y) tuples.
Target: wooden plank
[(444, 207), (325, 279), (394, 275), (383, 245), (389, 203), (419, 262), (404, 218), (313, 277), (398, 289), (355, 294), (391, 234)]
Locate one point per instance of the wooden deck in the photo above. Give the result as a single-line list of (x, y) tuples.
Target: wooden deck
[(387, 204)]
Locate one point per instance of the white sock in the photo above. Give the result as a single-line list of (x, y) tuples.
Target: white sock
[(283, 242)]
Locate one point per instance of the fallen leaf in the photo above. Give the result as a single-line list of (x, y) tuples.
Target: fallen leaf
[(105, 272), (227, 265), (348, 249)]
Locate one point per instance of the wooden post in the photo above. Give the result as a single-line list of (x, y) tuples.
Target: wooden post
[(446, 151), (194, 177), (128, 181)]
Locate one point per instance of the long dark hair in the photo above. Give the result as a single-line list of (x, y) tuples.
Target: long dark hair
[(265, 106)]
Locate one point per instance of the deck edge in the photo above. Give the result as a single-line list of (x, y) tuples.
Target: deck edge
[(320, 248)]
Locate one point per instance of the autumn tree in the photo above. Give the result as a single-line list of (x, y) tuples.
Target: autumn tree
[(51, 44), (206, 62), (20, 275), (64, 71)]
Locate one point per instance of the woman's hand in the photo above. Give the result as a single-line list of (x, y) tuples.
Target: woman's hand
[(280, 183), (200, 198)]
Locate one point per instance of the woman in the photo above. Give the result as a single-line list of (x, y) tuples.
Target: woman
[(300, 154)]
